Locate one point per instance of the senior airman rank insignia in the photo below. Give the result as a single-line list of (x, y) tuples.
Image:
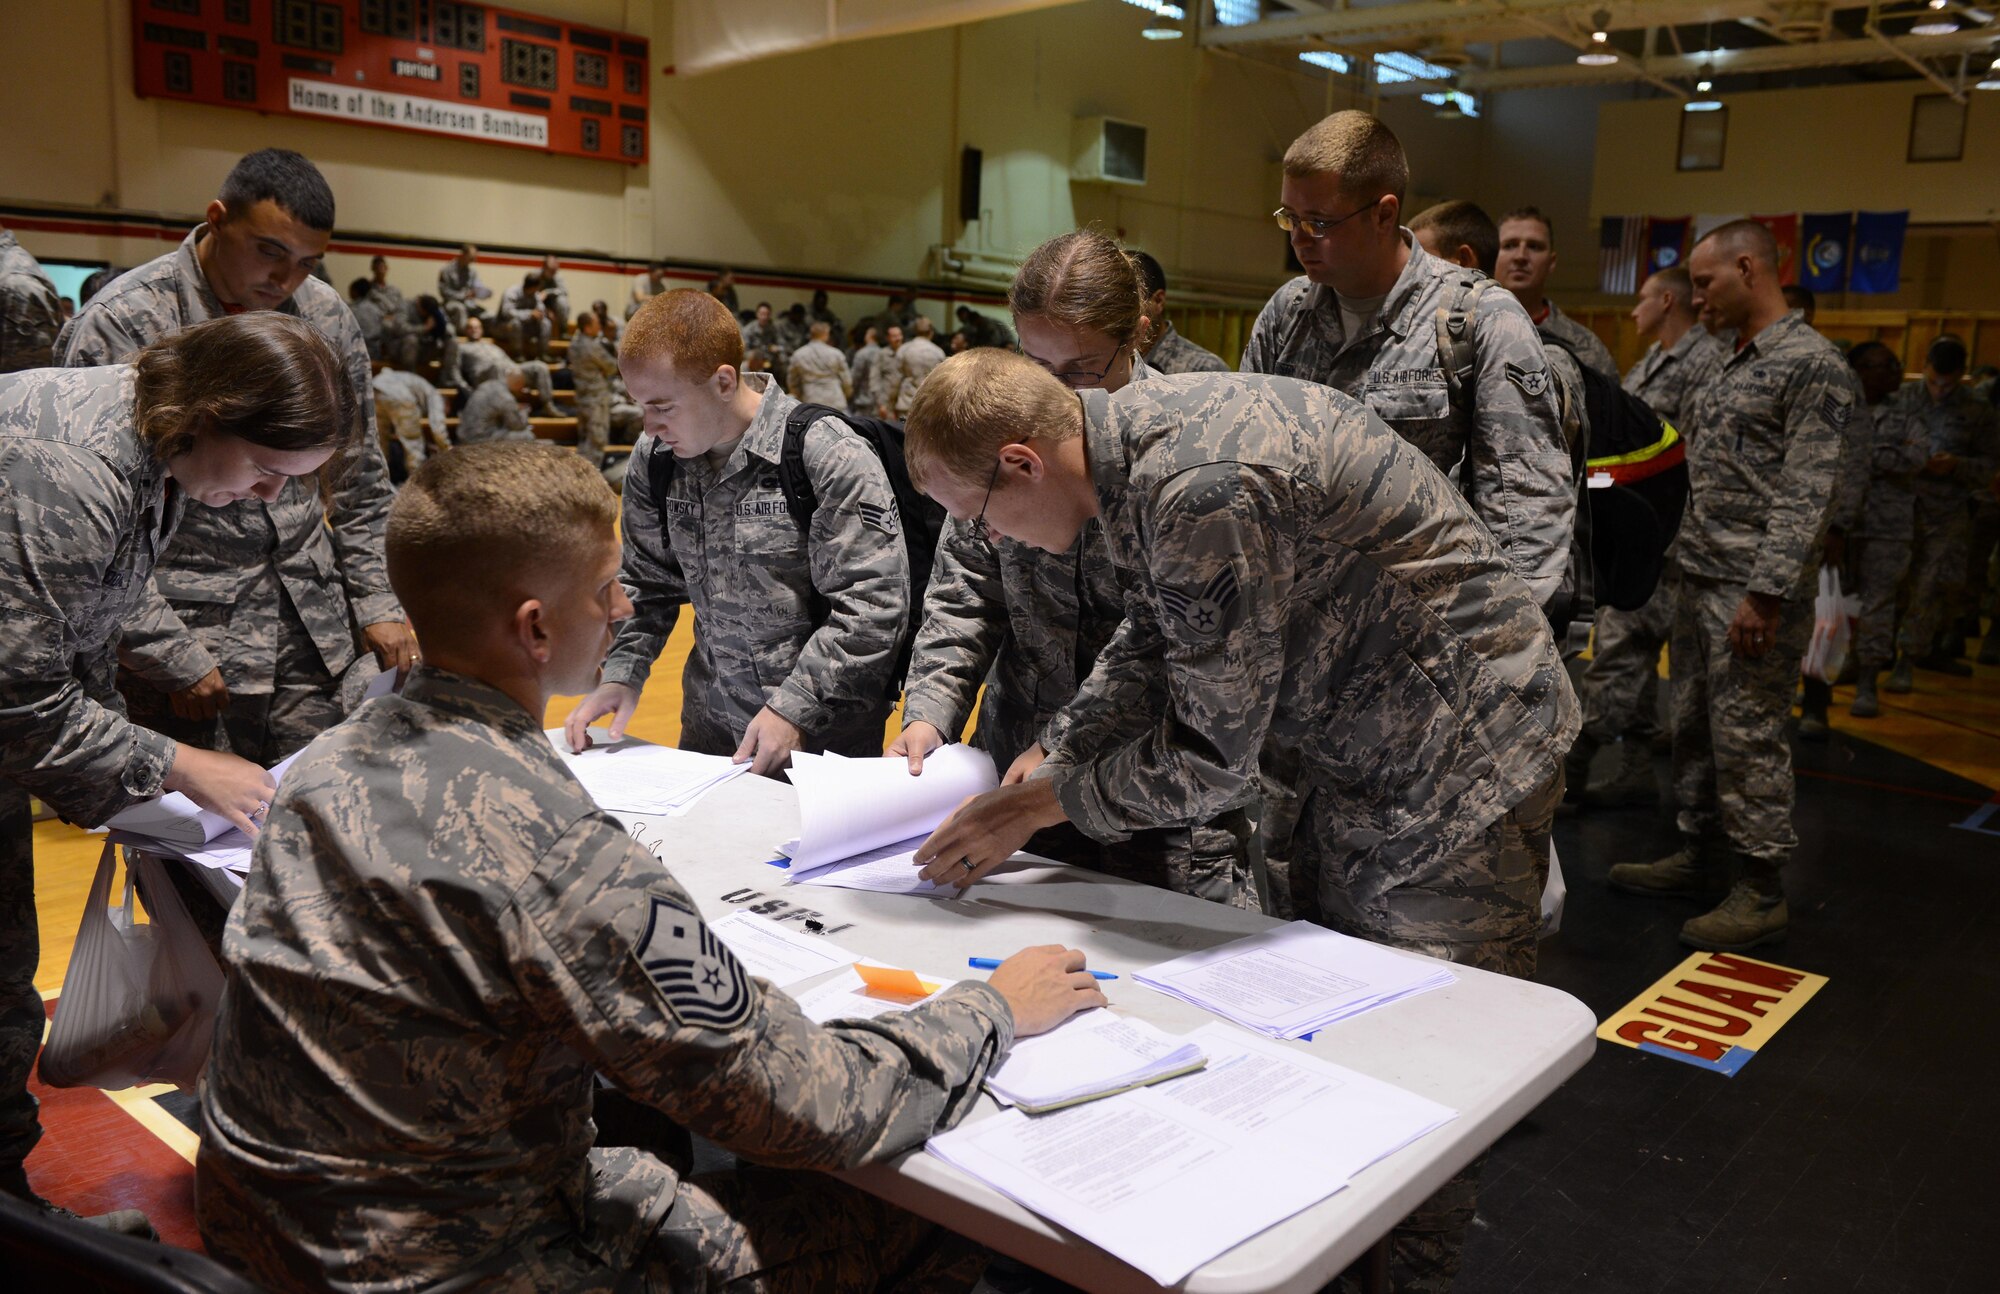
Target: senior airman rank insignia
[(1532, 382), (1207, 613), (695, 972)]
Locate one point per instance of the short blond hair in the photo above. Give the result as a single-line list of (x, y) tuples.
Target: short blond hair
[(474, 524), (974, 403), (1357, 147), (691, 329)]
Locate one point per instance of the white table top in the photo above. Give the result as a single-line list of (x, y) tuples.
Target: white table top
[(1488, 1046)]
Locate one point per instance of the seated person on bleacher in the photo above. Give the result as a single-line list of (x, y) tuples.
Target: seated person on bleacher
[(444, 943)]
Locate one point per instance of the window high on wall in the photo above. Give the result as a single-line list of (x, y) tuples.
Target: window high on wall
[(1237, 13)]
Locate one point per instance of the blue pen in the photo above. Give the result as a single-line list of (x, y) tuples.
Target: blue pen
[(993, 963)]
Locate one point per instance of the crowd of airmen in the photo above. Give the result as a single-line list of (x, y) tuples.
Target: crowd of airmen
[(1292, 638)]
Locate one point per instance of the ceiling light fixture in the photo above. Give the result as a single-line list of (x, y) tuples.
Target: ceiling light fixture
[(1702, 105), (1600, 53), (1707, 81), (1162, 28), (1943, 25)]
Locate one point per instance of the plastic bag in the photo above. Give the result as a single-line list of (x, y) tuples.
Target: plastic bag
[(138, 1005), (1833, 629), (1553, 894)]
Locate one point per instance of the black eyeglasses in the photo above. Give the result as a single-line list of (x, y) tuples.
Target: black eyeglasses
[(979, 522), (1083, 381), (1315, 229)]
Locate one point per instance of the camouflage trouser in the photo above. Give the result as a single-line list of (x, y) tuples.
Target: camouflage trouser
[(538, 377), (445, 352), (1877, 567), (21, 1015), (530, 337), (1621, 684), (262, 727), (761, 1229), (1732, 760), (1212, 861), (593, 425), (1479, 905), (1978, 585), (1937, 572)]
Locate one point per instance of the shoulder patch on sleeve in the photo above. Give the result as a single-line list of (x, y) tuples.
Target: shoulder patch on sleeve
[(1208, 613), (1836, 409), (1533, 382), (699, 977), (882, 516)]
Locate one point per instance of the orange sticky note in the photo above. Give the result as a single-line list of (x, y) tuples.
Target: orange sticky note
[(903, 983)]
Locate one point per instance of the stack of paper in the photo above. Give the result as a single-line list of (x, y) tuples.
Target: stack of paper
[(649, 779), (1166, 1178), (1089, 1056), (1295, 979), (177, 826), (778, 953), (861, 820)]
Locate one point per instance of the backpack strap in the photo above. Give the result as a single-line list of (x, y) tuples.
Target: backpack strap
[(1456, 355), (661, 467), (801, 499)]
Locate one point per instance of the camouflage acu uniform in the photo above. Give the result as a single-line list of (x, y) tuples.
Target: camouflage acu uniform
[(408, 402), (30, 309), (792, 338), (863, 368), (269, 593), (725, 544), (84, 516), (1762, 468), (1173, 353), (1505, 438), (1301, 580), (459, 292), (1963, 425), (479, 362), (592, 369), (818, 375), (400, 1094), (1879, 519), (1580, 341), (914, 363), (885, 379), (1622, 681), (517, 322), (763, 338), (493, 414), (386, 330)]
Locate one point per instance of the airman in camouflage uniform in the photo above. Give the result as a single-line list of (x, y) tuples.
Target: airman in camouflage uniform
[(480, 360), (1964, 450), (408, 402), (1298, 577), (1763, 470), (593, 368), (494, 412), (723, 542), (1580, 341), (460, 290), (1503, 435), (761, 336), (385, 331), (267, 594), (862, 366), (819, 375), (914, 362), (523, 320), (417, 1111), (1170, 353), (84, 516), (1620, 685), (30, 309), (1874, 513), (885, 378)]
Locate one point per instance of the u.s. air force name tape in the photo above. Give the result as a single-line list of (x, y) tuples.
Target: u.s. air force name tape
[(1715, 1010)]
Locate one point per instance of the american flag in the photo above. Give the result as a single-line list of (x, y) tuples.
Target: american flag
[(1621, 249)]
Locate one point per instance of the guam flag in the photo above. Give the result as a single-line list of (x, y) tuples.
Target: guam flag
[(1878, 251), (1823, 250), (1664, 241)]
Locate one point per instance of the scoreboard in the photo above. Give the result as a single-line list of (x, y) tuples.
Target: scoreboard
[(437, 66)]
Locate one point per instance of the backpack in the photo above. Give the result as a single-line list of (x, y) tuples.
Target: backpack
[(921, 521), (1638, 464)]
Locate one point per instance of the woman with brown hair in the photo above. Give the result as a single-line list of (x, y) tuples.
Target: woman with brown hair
[(1038, 620), (98, 464)]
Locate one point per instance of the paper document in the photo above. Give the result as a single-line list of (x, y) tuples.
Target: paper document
[(174, 819), (892, 869), (778, 953), (1295, 979), (849, 807), (1088, 1057), (1168, 1177), (648, 779), (846, 997)]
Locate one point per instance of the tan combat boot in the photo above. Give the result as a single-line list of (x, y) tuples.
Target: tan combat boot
[(1633, 783), (1687, 872), (1754, 913)]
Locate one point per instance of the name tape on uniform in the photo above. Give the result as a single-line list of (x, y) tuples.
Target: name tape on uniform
[(1715, 1010)]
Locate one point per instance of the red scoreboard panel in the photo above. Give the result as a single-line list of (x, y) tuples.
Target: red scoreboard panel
[(468, 70)]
